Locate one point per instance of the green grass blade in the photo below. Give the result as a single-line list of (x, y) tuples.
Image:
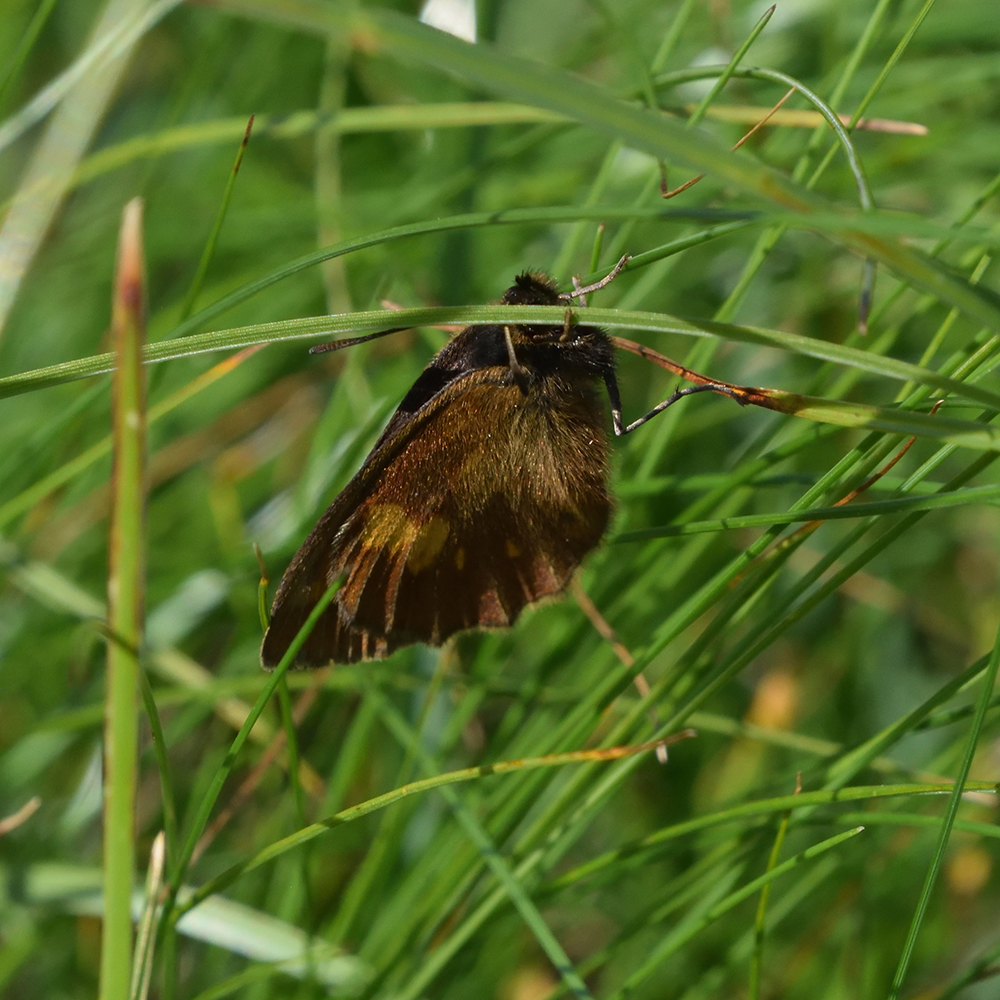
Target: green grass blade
[(957, 498), (948, 821), (211, 795), (683, 934), (748, 810), (213, 236), (315, 328), (126, 599), (418, 787)]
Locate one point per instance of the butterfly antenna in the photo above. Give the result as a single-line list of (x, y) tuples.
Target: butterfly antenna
[(597, 285), (337, 345)]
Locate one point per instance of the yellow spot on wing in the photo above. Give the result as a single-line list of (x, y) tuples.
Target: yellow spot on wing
[(460, 560), (512, 550), (388, 527), (428, 544)]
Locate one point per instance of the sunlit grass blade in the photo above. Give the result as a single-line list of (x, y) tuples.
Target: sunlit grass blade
[(126, 599), (222, 923), (114, 35), (142, 969), (353, 813), (791, 118)]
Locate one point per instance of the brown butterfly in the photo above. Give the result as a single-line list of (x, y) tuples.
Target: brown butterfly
[(484, 493)]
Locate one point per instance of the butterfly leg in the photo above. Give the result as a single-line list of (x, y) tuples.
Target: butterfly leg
[(579, 292), (519, 372), (569, 321), (616, 404)]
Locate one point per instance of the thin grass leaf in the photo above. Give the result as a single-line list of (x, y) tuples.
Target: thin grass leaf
[(142, 969), (16, 61), (765, 807), (948, 821), (314, 328), (213, 237), (679, 937), (308, 833), (760, 920), (973, 494), (701, 109), (113, 37), (212, 794), (28, 498), (223, 923)]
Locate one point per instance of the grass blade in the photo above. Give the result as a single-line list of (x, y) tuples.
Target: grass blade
[(948, 821), (126, 594)]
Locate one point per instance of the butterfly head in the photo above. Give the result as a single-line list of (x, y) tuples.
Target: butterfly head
[(539, 346), (530, 289)]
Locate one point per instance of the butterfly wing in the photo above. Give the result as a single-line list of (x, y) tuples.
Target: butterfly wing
[(483, 500)]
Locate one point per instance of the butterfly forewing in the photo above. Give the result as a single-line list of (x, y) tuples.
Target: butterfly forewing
[(485, 499)]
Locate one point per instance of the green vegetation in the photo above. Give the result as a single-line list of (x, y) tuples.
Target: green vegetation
[(428, 826)]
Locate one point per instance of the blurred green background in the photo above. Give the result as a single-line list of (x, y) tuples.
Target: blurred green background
[(837, 655)]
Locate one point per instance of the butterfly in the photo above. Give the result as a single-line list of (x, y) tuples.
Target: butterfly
[(484, 493)]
